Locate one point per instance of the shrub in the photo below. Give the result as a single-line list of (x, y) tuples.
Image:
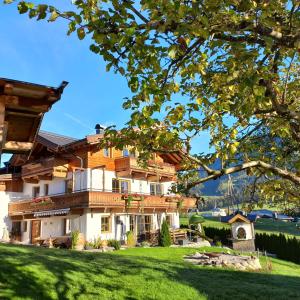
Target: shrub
[(218, 244), (145, 244), (131, 242), (114, 243), (218, 234), (164, 235), (283, 247), (74, 238)]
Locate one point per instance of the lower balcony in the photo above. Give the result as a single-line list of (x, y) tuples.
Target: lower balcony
[(98, 200)]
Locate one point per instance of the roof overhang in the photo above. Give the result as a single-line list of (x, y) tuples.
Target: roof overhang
[(238, 218), (22, 107)]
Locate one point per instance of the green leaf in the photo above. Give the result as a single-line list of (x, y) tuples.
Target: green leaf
[(53, 16), (81, 33)]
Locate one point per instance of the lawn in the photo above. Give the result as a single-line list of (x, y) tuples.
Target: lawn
[(140, 273), (261, 226)]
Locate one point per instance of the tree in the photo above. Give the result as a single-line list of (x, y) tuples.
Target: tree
[(227, 67), (164, 235)]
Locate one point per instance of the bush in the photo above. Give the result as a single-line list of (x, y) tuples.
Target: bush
[(164, 235), (218, 235), (74, 238), (145, 244), (114, 243), (284, 247), (131, 242)]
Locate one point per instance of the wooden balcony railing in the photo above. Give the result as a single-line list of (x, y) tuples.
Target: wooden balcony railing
[(97, 199), (129, 167), (45, 167)]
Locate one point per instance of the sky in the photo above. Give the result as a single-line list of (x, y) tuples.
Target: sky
[(41, 52)]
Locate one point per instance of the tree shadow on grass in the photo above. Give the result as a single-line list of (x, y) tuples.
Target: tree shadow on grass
[(36, 273)]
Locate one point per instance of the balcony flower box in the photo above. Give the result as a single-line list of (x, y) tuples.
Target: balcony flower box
[(41, 201)]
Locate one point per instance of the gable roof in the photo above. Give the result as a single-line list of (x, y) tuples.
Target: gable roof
[(54, 138), (238, 218)]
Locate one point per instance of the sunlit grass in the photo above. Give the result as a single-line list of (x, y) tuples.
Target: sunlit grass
[(139, 273)]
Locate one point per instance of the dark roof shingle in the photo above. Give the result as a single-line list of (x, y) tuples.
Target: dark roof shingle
[(56, 139)]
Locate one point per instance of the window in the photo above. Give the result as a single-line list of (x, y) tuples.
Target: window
[(125, 152), (131, 223), (25, 226), (68, 186), (36, 191), (66, 226), (120, 186), (107, 152), (105, 224), (148, 223), (155, 189), (132, 153), (46, 189)]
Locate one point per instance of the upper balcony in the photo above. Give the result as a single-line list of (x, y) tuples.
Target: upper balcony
[(155, 171), (105, 201), (44, 169)]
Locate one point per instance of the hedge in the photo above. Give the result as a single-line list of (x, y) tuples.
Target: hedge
[(284, 247)]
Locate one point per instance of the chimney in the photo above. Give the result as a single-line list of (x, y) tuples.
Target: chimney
[(99, 129)]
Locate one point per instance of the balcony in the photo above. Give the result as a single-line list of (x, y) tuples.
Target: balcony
[(155, 171), (102, 201), (44, 169)]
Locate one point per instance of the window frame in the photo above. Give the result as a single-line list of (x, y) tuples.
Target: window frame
[(34, 193), (108, 154), (125, 152), (117, 185), (46, 189), (68, 186), (155, 185), (108, 224)]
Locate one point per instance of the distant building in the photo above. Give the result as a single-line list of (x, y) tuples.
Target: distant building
[(218, 212)]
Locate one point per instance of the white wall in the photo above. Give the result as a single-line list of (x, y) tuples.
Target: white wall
[(25, 235), (52, 226), (56, 186), (246, 226), (5, 223)]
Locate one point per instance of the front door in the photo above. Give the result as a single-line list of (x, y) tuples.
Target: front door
[(35, 230)]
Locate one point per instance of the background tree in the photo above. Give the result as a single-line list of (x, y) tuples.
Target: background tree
[(227, 67)]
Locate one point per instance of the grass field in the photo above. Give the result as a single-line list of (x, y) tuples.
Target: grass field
[(140, 273), (261, 226)]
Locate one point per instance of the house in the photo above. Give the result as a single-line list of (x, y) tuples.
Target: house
[(218, 212), (69, 184)]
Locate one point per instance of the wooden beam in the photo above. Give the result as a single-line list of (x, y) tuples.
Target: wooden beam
[(31, 180), (44, 177), (9, 100), (17, 146), (23, 114), (3, 133)]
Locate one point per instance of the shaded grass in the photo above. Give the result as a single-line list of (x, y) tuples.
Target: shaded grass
[(153, 273)]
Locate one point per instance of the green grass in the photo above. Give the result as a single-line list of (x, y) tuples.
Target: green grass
[(261, 226), (140, 273)]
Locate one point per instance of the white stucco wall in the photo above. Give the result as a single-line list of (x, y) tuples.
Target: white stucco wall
[(248, 228), (25, 235), (5, 223)]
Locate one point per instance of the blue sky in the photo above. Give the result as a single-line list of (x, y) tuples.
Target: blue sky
[(41, 52)]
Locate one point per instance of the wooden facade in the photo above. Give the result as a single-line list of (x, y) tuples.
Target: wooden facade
[(50, 161), (106, 201)]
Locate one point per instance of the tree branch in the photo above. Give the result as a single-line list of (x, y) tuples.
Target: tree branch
[(251, 164)]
